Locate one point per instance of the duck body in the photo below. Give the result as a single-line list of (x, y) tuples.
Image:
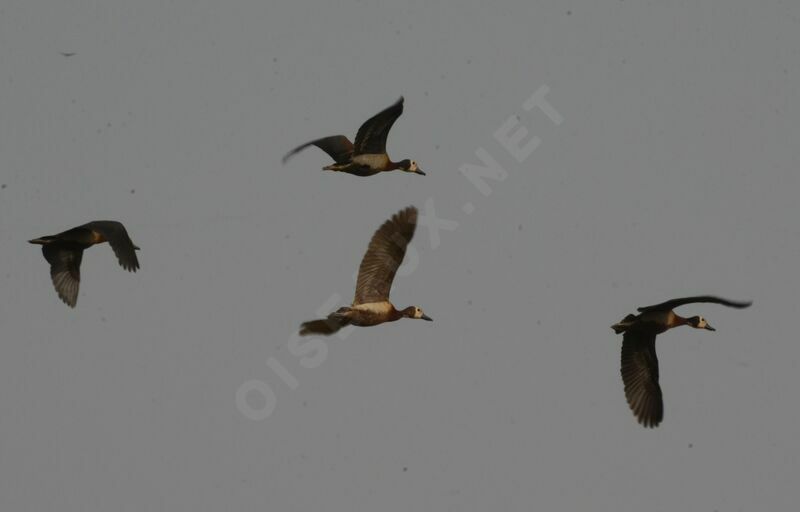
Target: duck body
[(656, 322), (373, 313)]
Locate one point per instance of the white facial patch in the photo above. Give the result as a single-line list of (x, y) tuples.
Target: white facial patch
[(418, 313), (414, 167)]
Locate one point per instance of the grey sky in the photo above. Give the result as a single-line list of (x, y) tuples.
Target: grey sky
[(674, 172)]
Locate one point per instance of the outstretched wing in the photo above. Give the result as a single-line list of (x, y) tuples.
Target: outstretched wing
[(639, 370), (117, 237), (337, 147), (674, 303), (384, 254), (371, 137), (65, 271)]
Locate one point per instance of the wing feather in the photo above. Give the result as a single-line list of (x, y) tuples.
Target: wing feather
[(639, 368), (674, 303), (384, 255), (371, 137), (65, 271), (337, 147), (117, 236)]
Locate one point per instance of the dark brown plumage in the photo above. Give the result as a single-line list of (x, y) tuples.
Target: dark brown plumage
[(371, 305), (367, 156), (372, 135), (64, 252), (639, 363), (639, 368)]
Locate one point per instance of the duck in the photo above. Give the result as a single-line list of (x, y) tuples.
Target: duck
[(371, 305), (367, 156), (64, 252), (639, 364)]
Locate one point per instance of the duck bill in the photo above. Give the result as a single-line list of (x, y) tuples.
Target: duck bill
[(39, 241), (419, 171), (709, 328), (426, 317)]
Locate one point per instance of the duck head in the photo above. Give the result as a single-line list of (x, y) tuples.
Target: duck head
[(698, 322), (416, 312), (410, 166)]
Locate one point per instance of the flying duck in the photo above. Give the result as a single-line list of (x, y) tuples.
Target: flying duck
[(371, 304), (639, 364), (368, 155), (64, 252)]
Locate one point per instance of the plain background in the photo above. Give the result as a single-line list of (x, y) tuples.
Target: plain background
[(674, 172)]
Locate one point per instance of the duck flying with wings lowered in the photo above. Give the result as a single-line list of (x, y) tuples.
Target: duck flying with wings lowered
[(639, 364), (64, 252)]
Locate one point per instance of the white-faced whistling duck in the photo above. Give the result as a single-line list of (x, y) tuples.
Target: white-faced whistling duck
[(639, 365), (371, 304), (64, 252), (368, 155)]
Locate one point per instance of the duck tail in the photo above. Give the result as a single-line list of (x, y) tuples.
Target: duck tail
[(326, 326), (44, 240)]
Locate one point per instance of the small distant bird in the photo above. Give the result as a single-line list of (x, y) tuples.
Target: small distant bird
[(639, 364), (368, 155), (67, 54), (371, 304), (64, 252)]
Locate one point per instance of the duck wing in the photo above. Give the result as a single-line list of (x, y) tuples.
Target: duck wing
[(65, 271), (385, 253), (639, 368), (337, 147), (371, 137), (117, 237), (674, 303)]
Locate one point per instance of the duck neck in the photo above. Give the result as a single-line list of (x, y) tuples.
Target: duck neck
[(397, 314), (676, 320)]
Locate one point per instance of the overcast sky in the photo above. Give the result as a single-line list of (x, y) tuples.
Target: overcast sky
[(666, 166)]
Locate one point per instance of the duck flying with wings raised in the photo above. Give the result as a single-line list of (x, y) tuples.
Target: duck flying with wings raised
[(371, 305), (367, 156)]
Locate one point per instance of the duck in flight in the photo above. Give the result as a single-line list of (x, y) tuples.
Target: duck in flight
[(371, 304), (64, 252), (639, 364), (367, 156)]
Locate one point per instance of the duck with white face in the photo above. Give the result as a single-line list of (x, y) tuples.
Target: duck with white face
[(366, 156), (417, 313), (371, 305), (698, 322), (410, 166), (639, 363)]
